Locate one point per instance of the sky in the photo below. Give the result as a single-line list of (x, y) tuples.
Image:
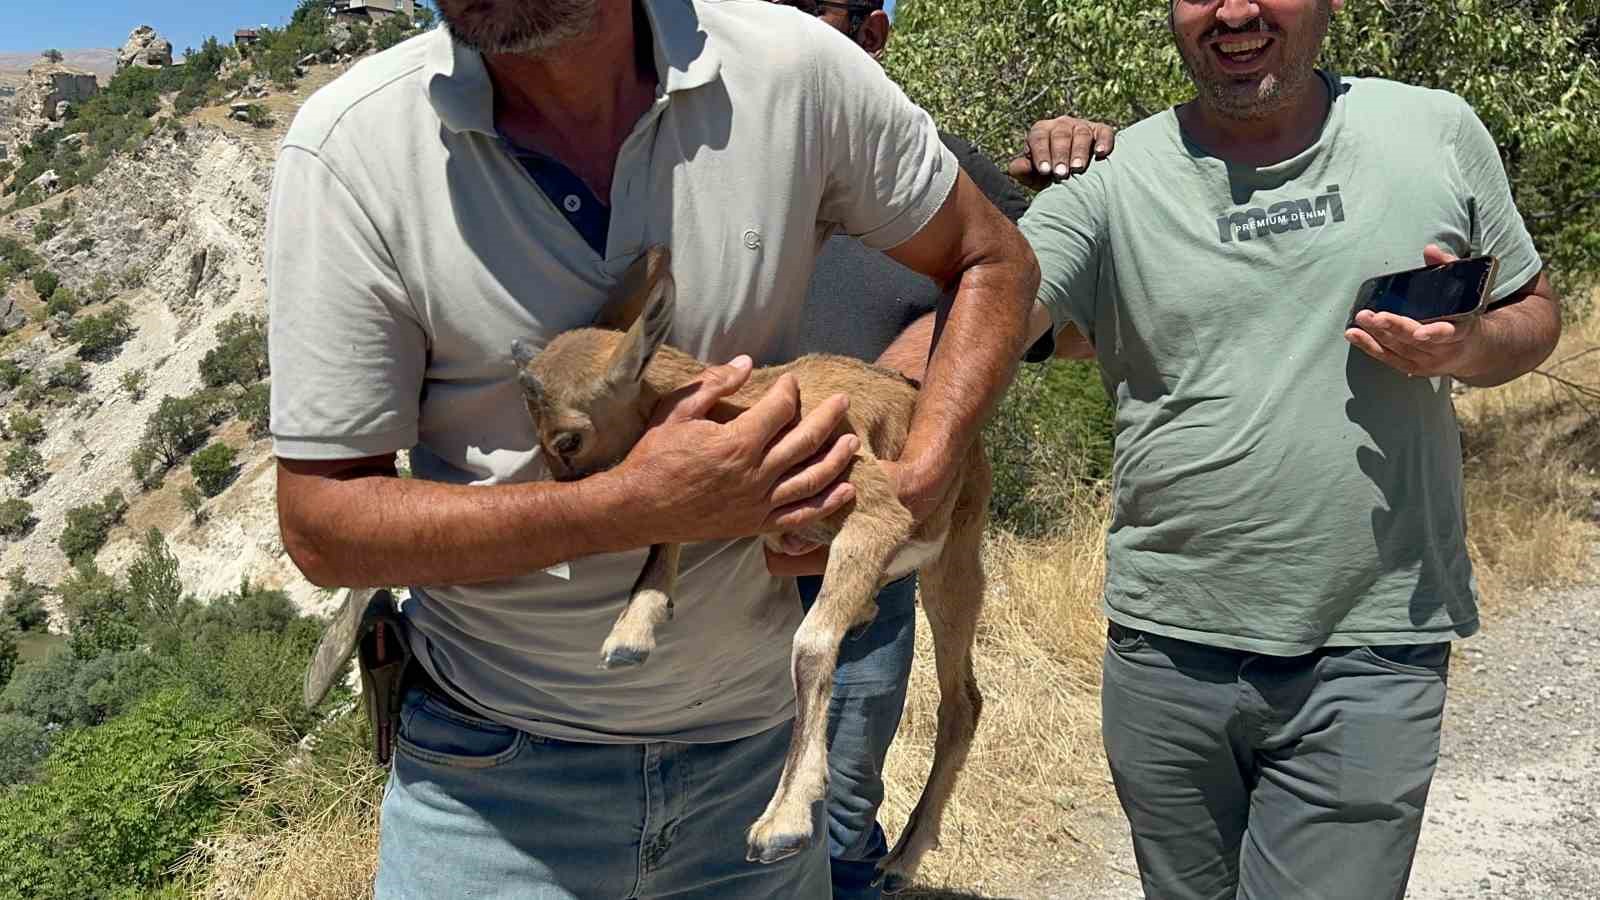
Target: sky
[(29, 25)]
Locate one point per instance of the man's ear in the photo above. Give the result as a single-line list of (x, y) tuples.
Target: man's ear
[(873, 36), (636, 286)]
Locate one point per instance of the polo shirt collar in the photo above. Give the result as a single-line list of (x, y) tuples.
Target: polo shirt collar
[(462, 93)]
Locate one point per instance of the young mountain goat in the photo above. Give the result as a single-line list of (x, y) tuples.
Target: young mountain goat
[(590, 392)]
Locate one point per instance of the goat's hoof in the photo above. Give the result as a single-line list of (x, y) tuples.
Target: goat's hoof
[(623, 657), (777, 848)]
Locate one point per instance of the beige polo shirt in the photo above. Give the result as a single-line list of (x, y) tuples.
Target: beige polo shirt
[(407, 247)]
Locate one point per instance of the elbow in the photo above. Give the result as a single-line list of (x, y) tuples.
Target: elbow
[(310, 554)]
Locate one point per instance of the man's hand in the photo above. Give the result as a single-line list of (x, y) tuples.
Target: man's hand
[(1059, 148), (1406, 345), (760, 471)]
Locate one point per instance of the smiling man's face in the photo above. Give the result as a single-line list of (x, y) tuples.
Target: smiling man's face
[(1251, 59)]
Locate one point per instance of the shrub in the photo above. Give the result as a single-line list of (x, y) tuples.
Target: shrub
[(143, 463), (97, 612), (155, 593), (23, 743), (53, 55), (255, 406), (44, 230), (98, 335), (134, 382), (176, 428), (25, 604), (16, 518), (240, 356), (88, 527), (42, 689), (62, 301), (29, 392), (108, 684), (45, 283), (213, 468), (26, 467), (28, 429), (11, 374), (71, 376), (116, 806), (194, 502), (8, 656)]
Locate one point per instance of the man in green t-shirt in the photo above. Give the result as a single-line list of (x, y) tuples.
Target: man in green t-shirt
[(1287, 561)]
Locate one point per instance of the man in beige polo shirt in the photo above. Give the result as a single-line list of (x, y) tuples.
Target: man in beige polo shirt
[(492, 180)]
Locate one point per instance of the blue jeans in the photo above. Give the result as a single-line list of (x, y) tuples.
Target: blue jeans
[(476, 809), (869, 692)]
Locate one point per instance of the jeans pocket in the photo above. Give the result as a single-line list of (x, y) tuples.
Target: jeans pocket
[(435, 732), (1411, 659)]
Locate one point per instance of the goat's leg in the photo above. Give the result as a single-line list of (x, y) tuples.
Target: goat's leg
[(856, 562), (650, 603), (952, 596)]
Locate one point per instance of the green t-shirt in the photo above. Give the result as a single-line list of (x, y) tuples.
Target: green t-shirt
[(1276, 489)]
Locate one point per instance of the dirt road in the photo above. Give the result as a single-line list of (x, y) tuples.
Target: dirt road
[(1514, 811)]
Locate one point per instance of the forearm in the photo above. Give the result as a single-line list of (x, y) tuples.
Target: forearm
[(1513, 340), (908, 352), (978, 351), (374, 530)]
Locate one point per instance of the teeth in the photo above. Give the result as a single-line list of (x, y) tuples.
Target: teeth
[(1241, 46)]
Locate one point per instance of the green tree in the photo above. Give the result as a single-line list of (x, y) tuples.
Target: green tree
[(70, 375), (213, 468), (240, 356), (45, 284), (29, 429), (155, 592), (254, 406), (42, 689), (26, 467), (8, 654), (98, 335), (16, 518), (11, 374), (98, 612), (89, 525), (194, 502), (44, 230), (134, 382), (25, 603), (62, 301), (176, 428), (114, 807), (23, 742), (53, 55)]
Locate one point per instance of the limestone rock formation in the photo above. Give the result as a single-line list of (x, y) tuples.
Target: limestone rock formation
[(45, 94), (145, 48)]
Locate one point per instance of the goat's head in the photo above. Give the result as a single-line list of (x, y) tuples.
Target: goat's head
[(585, 390)]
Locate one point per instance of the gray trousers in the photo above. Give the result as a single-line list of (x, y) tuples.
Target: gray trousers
[(1272, 778)]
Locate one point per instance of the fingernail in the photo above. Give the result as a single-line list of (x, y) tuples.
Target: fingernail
[(853, 442), (1061, 168), (1044, 168), (1079, 163), (741, 361)]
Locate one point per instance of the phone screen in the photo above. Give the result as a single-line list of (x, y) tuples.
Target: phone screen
[(1431, 292)]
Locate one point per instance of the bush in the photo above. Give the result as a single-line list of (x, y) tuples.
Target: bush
[(97, 611), (88, 527), (134, 382), (23, 742), (25, 604), (98, 335), (42, 689), (194, 502), (8, 656), (155, 593), (28, 429), (43, 231), (240, 356), (25, 466), (16, 518), (109, 684), (213, 468), (255, 407), (45, 284), (177, 427), (116, 806), (1052, 430), (70, 376), (11, 374), (62, 301), (143, 463)]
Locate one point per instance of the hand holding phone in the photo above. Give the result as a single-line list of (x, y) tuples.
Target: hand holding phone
[(1421, 321)]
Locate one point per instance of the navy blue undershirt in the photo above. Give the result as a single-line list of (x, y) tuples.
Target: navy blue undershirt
[(584, 211)]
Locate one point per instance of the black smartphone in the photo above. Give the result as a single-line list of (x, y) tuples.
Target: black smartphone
[(1444, 292)]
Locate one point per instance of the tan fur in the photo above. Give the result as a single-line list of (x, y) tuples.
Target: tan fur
[(590, 393)]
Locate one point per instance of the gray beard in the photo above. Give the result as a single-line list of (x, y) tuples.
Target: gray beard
[(558, 22)]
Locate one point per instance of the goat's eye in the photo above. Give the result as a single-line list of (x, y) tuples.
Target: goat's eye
[(567, 442)]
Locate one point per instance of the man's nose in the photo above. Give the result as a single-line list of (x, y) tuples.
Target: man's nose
[(1238, 13)]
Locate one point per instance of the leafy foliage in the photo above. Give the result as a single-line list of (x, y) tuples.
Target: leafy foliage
[(177, 427), (255, 407), (213, 468), (25, 604), (23, 742), (62, 301), (240, 357), (8, 660), (88, 527), (45, 284), (16, 518), (116, 806), (42, 689), (97, 336), (29, 429), (134, 382), (26, 467)]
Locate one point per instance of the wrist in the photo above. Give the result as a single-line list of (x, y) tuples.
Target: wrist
[(626, 511)]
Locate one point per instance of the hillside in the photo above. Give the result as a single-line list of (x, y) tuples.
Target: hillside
[(102, 61)]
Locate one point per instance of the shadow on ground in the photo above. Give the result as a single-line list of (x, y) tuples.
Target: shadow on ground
[(922, 893)]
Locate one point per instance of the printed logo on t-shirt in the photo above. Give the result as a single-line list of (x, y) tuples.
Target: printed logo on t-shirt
[(1288, 215)]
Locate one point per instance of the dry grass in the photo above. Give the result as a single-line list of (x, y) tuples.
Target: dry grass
[(1532, 461)]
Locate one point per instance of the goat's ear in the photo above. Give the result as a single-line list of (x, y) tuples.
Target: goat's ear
[(637, 284), (521, 355), (646, 335)]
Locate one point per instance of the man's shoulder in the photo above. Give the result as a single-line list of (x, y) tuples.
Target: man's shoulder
[(1382, 102), (759, 36), (377, 91)]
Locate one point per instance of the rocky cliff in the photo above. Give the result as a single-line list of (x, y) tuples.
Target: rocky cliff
[(42, 99)]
